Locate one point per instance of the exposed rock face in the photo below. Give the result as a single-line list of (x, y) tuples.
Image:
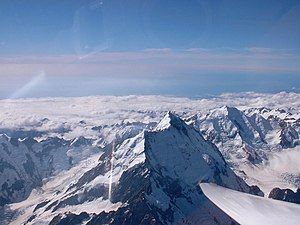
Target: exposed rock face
[(285, 195), (255, 190)]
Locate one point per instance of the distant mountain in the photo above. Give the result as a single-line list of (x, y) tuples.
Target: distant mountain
[(248, 136)]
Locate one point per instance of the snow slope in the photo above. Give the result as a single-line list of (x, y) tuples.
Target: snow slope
[(252, 210), (54, 191), (25, 163)]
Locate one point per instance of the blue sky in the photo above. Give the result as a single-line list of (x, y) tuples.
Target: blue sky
[(173, 47)]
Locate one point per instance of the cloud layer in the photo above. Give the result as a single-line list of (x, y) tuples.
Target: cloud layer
[(155, 62)]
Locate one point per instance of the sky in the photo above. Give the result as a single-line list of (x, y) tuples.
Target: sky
[(171, 47)]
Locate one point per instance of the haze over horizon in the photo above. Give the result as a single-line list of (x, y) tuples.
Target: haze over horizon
[(183, 48)]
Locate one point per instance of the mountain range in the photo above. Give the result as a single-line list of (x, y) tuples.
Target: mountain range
[(141, 164)]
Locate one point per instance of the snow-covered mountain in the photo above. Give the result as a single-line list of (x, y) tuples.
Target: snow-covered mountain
[(249, 138), (111, 159), (150, 178), (250, 135), (24, 163)]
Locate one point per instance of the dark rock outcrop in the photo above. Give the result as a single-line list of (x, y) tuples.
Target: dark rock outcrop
[(285, 195)]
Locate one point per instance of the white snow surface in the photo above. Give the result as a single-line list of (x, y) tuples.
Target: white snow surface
[(252, 210)]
